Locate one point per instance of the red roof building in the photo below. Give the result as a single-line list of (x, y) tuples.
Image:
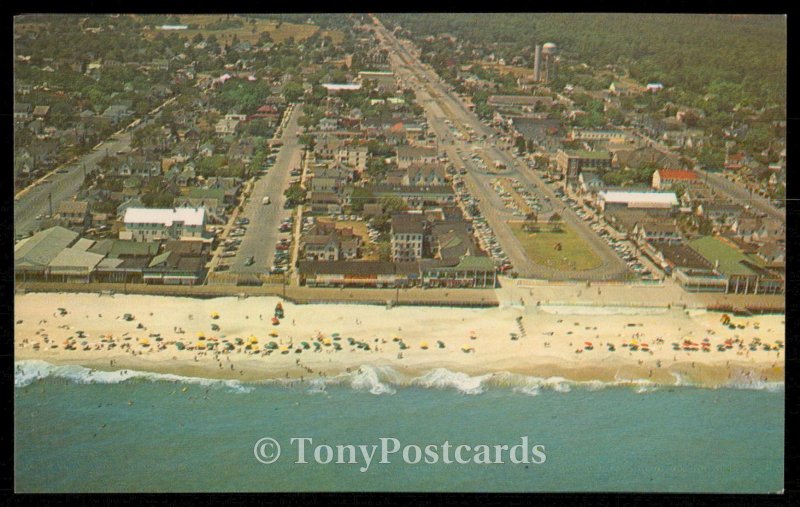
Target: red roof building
[(664, 179)]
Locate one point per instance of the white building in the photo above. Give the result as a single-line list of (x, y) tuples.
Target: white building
[(654, 201), (153, 224)]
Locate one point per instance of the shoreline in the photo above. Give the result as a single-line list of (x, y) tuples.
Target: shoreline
[(549, 344)]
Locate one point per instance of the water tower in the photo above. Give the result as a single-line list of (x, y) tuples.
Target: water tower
[(549, 52)]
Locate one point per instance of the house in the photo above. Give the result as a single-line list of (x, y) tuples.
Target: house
[(421, 175), (408, 155), (328, 124), (215, 210), (755, 228), (722, 214), (353, 156), (116, 113), (665, 179), (186, 177), (151, 224), (243, 151), (325, 242), (773, 254), (329, 203), (22, 111), (133, 202), (407, 234), (648, 232), (326, 147), (139, 166), (226, 126), (40, 111), (73, 213), (206, 149), (590, 182), (180, 263)]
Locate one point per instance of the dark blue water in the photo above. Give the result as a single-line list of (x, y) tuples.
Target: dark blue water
[(152, 435)]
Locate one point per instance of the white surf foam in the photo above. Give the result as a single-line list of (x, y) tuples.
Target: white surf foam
[(29, 371)]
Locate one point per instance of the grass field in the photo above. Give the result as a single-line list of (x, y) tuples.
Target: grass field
[(250, 30), (575, 254)]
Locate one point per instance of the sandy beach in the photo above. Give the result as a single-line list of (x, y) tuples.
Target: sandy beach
[(663, 346)]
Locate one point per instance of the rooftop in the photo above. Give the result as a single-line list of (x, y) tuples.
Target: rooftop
[(189, 216), (629, 198), (730, 259)]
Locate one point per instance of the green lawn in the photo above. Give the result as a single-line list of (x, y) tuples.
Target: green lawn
[(574, 255)]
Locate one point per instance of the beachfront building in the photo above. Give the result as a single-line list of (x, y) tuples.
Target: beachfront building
[(467, 271), (32, 256), (153, 224), (347, 273), (745, 274), (408, 232)]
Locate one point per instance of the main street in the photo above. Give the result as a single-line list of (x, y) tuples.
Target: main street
[(34, 202), (438, 101), (262, 232)]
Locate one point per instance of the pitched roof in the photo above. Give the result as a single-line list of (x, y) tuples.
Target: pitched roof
[(677, 174), (43, 247)]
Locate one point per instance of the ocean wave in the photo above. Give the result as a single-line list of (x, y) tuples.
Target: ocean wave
[(28, 371), (376, 380)]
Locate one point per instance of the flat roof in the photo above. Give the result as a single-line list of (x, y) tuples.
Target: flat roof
[(341, 86), (165, 216), (730, 258), (639, 197)]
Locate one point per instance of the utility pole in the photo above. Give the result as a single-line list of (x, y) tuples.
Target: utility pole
[(50, 201)]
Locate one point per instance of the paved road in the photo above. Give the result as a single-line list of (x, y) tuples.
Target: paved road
[(742, 195), (35, 200), (262, 232), (731, 189), (408, 67)]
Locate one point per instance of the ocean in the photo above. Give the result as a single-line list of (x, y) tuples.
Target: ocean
[(78, 431)]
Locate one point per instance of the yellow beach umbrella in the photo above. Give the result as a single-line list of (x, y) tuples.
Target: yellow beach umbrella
[(214, 315), (273, 334), (423, 345), (252, 339), (201, 335), (200, 345), (144, 342), (327, 341)]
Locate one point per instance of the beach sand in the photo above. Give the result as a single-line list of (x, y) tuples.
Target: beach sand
[(553, 343)]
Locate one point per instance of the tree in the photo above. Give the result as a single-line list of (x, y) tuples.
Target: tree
[(531, 222), (358, 197), (292, 91), (295, 194), (555, 222)]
